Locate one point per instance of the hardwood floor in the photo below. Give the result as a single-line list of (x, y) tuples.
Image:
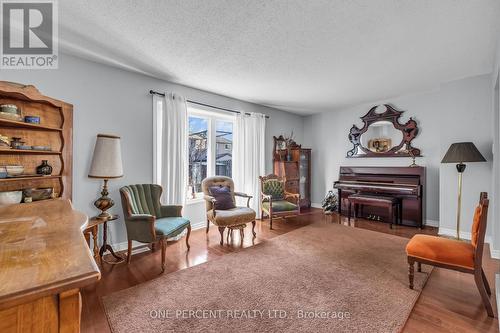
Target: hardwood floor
[(449, 302)]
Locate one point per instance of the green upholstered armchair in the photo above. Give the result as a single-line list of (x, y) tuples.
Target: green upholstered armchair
[(229, 217), (147, 221), (275, 200)]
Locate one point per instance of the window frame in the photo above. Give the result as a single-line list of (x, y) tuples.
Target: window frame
[(211, 117)]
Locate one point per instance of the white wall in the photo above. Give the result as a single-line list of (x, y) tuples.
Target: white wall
[(110, 100), (495, 202), (458, 111)]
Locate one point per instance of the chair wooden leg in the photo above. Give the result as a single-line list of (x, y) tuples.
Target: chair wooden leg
[(163, 253), (221, 231), (391, 214), (411, 271), (348, 212), (478, 277), (400, 213), (129, 251), (153, 247), (419, 267), (187, 236), (486, 284), (208, 225), (270, 221), (253, 229)]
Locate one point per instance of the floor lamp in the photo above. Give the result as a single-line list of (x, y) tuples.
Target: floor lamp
[(459, 153)]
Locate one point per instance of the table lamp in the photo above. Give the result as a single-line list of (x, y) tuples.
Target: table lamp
[(106, 164), (459, 153)]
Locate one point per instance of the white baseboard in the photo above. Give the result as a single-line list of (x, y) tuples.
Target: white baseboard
[(316, 205), (432, 223)]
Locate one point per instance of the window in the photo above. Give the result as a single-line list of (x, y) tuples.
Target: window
[(224, 149), (197, 145), (210, 145)]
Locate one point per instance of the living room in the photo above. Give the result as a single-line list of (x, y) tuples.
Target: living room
[(250, 166)]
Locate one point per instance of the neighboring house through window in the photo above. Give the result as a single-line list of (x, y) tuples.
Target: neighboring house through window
[(210, 145)]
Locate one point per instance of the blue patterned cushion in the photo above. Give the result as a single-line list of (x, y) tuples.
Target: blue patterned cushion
[(223, 196)]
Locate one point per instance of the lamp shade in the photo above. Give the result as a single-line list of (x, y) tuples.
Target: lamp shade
[(107, 158), (462, 152)]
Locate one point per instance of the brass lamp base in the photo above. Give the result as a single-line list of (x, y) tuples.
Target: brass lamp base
[(460, 169), (104, 202)]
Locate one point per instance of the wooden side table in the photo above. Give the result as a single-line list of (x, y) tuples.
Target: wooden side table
[(92, 228)]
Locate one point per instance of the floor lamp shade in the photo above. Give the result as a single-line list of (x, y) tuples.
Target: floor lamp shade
[(463, 152), (107, 158), (106, 164), (459, 153)]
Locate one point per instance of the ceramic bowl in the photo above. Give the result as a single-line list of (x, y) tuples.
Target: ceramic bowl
[(10, 116), (14, 170), (9, 108), (32, 119), (10, 197), (47, 148)]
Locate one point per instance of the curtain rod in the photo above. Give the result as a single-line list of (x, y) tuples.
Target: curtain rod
[(152, 92)]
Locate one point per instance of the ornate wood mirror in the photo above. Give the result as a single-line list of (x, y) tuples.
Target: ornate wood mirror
[(382, 135)]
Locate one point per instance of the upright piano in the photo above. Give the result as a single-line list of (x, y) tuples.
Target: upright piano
[(405, 183)]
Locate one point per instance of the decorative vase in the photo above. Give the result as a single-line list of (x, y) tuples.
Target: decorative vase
[(16, 143), (44, 168)]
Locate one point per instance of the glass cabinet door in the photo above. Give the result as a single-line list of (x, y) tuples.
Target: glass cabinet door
[(304, 172)]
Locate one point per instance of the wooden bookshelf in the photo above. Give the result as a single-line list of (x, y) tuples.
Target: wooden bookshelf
[(20, 124), (29, 151), (55, 130)]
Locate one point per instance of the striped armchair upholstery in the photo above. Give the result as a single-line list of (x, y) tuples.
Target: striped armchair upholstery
[(147, 220)]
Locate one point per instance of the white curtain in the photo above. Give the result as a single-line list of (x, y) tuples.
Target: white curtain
[(170, 147), (249, 155)]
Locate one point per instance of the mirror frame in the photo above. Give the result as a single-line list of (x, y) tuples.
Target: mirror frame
[(409, 130)]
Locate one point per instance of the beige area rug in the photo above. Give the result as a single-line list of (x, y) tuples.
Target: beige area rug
[(319, 278)]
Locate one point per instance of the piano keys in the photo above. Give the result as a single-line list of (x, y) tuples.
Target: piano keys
[(404, 183)]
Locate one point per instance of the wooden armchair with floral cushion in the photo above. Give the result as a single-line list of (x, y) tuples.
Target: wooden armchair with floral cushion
[(275, 201), (455, 254), (221, 205)]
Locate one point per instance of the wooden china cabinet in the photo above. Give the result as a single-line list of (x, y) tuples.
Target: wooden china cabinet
[(53, 133), (295, 166)]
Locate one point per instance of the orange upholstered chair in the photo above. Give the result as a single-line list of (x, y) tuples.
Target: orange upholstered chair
[(454, 254)]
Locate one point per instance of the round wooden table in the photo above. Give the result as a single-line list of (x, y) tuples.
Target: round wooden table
[(93, 228)]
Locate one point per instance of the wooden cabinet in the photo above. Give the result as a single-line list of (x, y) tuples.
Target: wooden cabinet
[(296, 169), (54, 131), (44, 261)]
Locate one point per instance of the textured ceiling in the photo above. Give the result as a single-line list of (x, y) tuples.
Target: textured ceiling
[(302, 56)]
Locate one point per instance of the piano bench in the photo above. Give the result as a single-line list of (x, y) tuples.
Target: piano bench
[(392, 204)]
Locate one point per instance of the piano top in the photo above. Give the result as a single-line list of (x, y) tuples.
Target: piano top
[(382, 179), (381, 170)]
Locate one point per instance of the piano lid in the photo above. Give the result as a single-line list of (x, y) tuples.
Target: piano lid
[(382, 170)]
